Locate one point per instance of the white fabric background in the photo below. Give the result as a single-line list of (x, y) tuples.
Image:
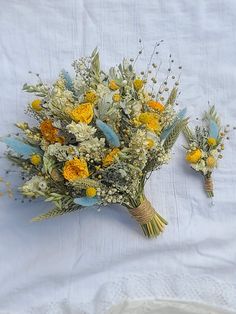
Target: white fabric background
[(85, 262)]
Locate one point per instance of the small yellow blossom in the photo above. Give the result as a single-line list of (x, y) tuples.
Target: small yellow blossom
[(75, 169), (35, 159), (211, 141), (109, 158), (155, 105), (82, 113), (37, 105), (136, 121), (138, 84), (194, 156), (150, 143), (116, 97), (112, 85), (90, 96), (151, 120), (211, 162), (91, 191)]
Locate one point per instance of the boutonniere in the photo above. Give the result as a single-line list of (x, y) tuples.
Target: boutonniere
[(205, 146)]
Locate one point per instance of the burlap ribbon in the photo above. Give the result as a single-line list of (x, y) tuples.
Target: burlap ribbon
[(144, 213), (208, 185)]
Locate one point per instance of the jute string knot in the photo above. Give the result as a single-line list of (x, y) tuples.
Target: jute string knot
[(144, 213), (209, 185)]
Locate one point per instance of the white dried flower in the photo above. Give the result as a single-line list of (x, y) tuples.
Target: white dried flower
[(34, 186), (102, 90), (62, 152), (81, 131), (93, 145), (43, 185)]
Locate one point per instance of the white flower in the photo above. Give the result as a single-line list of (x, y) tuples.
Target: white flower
[(43, 185), (102, 90), (214, 153), (61, 152), (200, 166), (93, 145), (34, 186), (81, 131)]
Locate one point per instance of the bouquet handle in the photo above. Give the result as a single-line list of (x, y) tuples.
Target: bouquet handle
[(209, 186), (150, 221)]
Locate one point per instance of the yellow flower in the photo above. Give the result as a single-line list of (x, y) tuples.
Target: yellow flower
[(116, 97), (150, 120), (138, 84), (108, 159), (82, 113), (75, 169), (211, 162), (37, 105), (211, 141), (194, 156), (35, 159), (150, 143), (112, 85), (90, 96), (49, 132), (91, 191), (155, 105)]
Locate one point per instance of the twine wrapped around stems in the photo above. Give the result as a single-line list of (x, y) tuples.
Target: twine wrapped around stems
[(149, 220), (209, 186)]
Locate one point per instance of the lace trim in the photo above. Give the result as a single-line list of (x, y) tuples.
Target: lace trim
[(164, 307), (154, 286)]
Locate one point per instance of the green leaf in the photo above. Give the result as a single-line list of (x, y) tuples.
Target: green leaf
[(174, 134), (53, 213), (212, 115), (172, 97), (85, 183), (188, 134), (95, 65)]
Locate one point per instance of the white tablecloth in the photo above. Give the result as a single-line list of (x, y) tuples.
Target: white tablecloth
[(86, 262)]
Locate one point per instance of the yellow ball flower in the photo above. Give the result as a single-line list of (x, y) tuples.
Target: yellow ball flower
[(90, 96), (82, 113), (211, 141), (151, 120), (109, 158), (211, 162), (37, 105), (35, 159), (116, 97), (75, 169), (112, 85), (138, 84), (155, 105), (91, 192), (194, 156)]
